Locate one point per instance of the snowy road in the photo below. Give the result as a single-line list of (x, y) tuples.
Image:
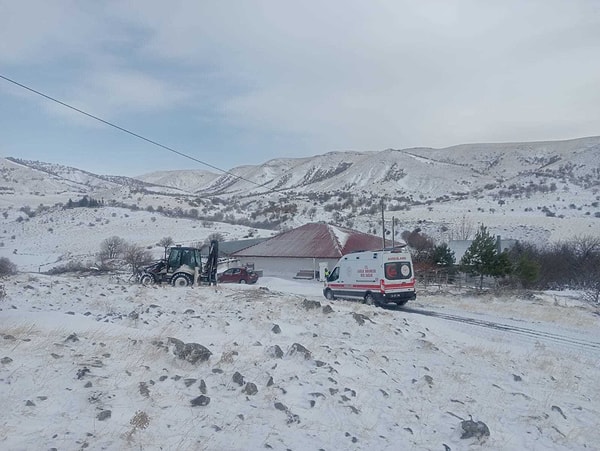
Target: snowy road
[(579, 342)]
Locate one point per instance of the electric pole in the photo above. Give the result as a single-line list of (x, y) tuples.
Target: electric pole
[(382, 226)]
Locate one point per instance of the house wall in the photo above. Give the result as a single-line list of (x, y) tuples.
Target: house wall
[(459, 247), (285, 267)]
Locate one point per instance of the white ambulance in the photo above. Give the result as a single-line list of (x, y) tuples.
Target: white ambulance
[(377, 277)]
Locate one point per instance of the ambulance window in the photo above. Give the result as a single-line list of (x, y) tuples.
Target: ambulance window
[(397, 270), (335, 274), (390, 271)]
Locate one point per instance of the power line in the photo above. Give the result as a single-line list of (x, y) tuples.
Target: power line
[(143, 138)]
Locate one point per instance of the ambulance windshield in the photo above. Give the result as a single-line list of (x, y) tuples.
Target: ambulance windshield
[(335, 274)]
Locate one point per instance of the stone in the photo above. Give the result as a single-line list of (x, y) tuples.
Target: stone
[(360, 318), (238, 378), (189, 381), (280, 406), (297, 348), (250, 389), (275, 351), (104, 415), (191, 352), (200, 401), (477, 429), (310, 305)]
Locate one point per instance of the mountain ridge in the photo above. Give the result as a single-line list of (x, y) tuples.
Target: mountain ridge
[(544, 186)]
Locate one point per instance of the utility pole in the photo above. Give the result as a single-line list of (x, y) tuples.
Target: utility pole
[(382, 226), (393, 232)]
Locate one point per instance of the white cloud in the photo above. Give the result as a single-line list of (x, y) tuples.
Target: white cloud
[(132, 91), (42, 32), (336, 74)]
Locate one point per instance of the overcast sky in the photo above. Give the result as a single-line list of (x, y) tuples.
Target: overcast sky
[(242, 82)]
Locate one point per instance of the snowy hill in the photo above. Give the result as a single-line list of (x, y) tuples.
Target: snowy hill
[(188, 180), (433, 172), (537, 191)]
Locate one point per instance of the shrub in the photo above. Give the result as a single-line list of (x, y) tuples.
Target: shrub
[(7, 268), (136, 256), (72, 266), (112, 247)]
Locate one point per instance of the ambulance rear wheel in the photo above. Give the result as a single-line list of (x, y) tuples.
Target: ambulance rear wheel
[(369, 299), (329, 295)]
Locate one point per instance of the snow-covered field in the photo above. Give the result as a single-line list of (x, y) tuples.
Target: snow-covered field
[(97, 363), (59, 236)]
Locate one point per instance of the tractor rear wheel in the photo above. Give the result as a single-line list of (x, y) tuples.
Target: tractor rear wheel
[(181, 280)]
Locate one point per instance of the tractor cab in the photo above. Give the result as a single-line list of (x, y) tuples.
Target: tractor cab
[(183, 256)]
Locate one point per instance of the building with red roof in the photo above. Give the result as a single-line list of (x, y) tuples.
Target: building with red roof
[(306, 249)]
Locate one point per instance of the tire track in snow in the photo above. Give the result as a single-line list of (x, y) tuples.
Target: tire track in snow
[(532, 333)]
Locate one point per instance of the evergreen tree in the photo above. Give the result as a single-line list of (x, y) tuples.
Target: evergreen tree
[(482, 257), (527, 271), (443, 256), (83, 202)]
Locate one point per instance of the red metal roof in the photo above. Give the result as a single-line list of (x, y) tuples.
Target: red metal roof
[(314, 240)]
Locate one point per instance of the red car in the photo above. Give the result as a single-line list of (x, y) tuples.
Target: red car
[(237, 275)]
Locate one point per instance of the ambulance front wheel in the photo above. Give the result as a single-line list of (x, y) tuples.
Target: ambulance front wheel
[(329, 294)]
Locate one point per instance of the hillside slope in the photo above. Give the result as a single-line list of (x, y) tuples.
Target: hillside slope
[(538, 191)]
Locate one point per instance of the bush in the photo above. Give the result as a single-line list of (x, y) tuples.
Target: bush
[(112, 248), (7, 268), (72, 266), (136, 256)]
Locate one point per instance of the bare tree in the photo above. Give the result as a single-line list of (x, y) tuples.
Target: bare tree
[(166, 242), (420, 244), (463, 229), (587, 251), (112, 248), (216, 236), (136, 256)]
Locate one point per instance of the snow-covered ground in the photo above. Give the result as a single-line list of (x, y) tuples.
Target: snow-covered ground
[(58, 236), (95, 363)]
